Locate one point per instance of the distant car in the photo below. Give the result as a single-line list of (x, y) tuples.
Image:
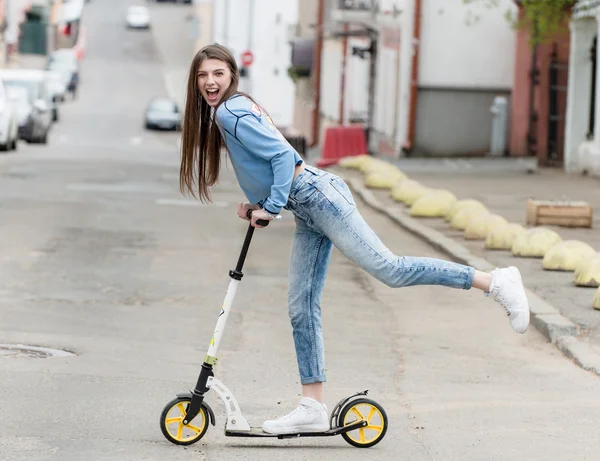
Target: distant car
[(138, 17), (65, 62), (162, 114), (34, 109), (9, 125)]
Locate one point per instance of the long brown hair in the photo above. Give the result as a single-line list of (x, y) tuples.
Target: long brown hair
[(201, 140)]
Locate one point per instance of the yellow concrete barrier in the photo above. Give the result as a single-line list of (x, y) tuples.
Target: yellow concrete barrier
[(596, 302), (479, 228), (373, 164), (408, 191), (384, 179), (462, 217), (353, 161), (567, 255), (383, 168), (464, 203), (535, 243), (503, 237), (434, 203), (587, 273)]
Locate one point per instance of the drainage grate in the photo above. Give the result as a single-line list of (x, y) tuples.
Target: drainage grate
[(21, 351)]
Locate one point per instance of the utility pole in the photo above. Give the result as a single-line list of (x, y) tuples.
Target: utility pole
[(316, 71)]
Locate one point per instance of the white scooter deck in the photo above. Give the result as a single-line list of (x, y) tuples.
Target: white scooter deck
[(258, 432)]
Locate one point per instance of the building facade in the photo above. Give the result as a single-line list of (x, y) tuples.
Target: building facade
[(421, 76), (261, 27)]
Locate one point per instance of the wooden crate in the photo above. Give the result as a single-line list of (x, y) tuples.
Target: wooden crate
[(559, 213)]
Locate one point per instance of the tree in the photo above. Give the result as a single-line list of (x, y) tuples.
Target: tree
[(543, 18)]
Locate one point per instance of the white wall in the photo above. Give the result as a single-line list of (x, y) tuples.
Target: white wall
[(356, 100), (269, 82), (14, 15), (356, 87), (578, 97), (392, 69), (331, 74), (454, 53)]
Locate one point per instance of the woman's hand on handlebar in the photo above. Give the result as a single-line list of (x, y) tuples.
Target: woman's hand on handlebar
[(242, 210), (262, 215)]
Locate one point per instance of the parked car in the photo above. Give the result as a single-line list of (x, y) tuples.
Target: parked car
[(9, 125), (56, 92), (56, 86), (162, 114), (65, 62), (138, 17), (34, 110)]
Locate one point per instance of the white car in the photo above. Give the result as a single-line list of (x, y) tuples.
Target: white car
[(56, 86), (35, 113), (138, 17), (9, 125), (56, 92)]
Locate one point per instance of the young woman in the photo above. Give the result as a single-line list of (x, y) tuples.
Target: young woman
[(273, 176)]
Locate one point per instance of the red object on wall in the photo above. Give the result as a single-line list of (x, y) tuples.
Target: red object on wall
[(247, 58), (342, 141)]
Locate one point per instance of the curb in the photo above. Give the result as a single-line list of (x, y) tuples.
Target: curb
[(556, 328)]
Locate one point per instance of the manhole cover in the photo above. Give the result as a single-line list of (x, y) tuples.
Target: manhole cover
[(20, 351)]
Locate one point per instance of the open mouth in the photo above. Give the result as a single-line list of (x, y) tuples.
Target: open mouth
[(212, 94)]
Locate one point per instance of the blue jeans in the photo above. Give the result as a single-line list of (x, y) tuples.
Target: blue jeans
[(326, 215)]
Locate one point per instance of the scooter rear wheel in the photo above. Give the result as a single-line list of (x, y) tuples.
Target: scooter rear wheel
[(172, 427), (367, 410)]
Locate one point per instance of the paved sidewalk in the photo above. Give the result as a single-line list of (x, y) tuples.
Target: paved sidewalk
[(562, 311)]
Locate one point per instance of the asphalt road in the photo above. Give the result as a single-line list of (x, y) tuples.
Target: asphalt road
[(100, 255)]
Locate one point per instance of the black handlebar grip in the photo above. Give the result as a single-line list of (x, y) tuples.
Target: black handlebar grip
[(260, 222)]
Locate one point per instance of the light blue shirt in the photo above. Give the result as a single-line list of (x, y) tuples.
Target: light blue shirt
[(262, 158)]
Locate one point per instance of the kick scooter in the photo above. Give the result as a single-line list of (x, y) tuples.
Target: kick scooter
[(184, 420)]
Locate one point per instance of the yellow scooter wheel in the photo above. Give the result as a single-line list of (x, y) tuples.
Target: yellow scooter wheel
[(364, 410), (172, 427)]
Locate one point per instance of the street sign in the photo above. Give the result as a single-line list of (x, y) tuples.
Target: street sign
[(247, 58)]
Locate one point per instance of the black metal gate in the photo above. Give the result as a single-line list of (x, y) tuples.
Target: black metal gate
[(557, 109)]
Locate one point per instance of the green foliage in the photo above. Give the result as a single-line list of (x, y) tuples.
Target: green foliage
[(297, 72), (543, 18)]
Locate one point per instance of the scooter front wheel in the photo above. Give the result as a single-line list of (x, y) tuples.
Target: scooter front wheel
[(172, 427), (364, 410)]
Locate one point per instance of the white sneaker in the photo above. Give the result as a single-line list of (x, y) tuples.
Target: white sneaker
[(310, 416), (507, 288)]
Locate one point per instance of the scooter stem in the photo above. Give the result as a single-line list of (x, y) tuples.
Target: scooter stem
[(244, 252), (238, 268), (236, 276), (211, 357)]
